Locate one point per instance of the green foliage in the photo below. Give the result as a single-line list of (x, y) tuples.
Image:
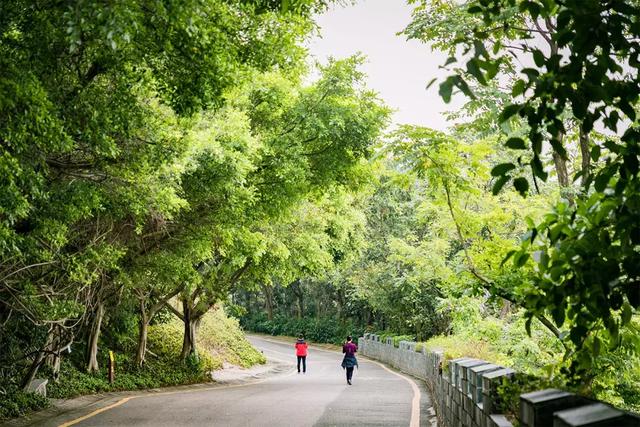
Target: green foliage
[(16, 403), (165, 340), (151, 152), (397, 338), (508, 401), (221, 341), (221, 336), (579, 260), (455, 346), (322, 330), (161, 372)]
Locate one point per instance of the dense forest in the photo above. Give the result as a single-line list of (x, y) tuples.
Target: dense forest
[(163, 159)]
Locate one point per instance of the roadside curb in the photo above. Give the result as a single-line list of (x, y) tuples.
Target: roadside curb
[(62, 410)]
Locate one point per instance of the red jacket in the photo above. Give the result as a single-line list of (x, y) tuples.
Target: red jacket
[(301, 348)]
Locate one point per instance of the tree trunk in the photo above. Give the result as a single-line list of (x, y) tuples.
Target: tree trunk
[(190, 332), (94, 335), (585, 153), (559, 162), (561, 170), (37, 362), (268, 300), (300, 295), (142, 335), (340, 304), (506, 308)]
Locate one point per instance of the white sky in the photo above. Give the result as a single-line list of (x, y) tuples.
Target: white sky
[(399, 70)]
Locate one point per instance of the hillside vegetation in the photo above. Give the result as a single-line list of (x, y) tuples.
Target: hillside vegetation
[(160, 158), (221, 342)]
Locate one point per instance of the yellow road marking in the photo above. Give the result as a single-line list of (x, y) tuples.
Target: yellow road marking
[(415, 403), (165, 393), (96, 412)]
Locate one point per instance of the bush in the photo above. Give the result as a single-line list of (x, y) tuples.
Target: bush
[(509, 392), (222, 336), (455, 346), (220, 340), (321, 330), (156, 373), (16, 403), (398, 338)]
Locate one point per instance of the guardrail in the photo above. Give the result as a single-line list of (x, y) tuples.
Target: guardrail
[(467, 395)]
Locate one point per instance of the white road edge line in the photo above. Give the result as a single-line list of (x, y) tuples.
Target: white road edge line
[(415, 402)]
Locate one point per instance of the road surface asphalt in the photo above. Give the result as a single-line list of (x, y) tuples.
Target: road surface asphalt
[(320, 397)]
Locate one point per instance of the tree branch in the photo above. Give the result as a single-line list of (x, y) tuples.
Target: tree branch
[(176, 312)]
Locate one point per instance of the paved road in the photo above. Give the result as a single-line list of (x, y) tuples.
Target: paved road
[(321, 397)]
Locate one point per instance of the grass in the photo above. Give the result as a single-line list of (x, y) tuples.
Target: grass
[(220, 340)]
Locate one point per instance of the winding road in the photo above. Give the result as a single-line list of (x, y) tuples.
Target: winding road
[(321, 397)]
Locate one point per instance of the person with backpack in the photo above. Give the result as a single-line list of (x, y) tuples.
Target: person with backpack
[(349, 361), (301, 353)]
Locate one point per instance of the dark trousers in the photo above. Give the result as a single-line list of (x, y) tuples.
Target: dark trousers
[(349, 373), (304, 363)]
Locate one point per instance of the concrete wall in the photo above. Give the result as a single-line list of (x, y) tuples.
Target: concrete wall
[(467, 394)]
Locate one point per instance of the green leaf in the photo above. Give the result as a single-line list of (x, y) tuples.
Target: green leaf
[(633, 294), (520, 259), (532, 73), (558, 315), (577, 333), (602, 180), (538, 169), (507, 257), (474, 69), (516, 144), (538, 57), (474, 9), (464, 87), (521, 185), (502, 169), (509, 111), (627, 109), (446, 88), (500, 182), (519, 88)]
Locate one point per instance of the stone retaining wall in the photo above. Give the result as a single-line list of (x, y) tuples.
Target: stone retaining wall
[(467, 394)]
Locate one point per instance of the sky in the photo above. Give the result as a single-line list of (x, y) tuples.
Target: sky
[(399, 70)]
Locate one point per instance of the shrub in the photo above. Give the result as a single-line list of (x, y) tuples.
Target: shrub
[(222, 336), (15, 403), (398, 338), (220, 339), (322, 330)]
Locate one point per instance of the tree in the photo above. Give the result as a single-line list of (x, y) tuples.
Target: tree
[(94, 102), (585, 250)]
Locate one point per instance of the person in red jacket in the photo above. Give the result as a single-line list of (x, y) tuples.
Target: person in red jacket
[(301, 353)]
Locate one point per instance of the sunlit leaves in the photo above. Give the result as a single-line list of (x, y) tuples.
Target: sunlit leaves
[(583, 78)]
